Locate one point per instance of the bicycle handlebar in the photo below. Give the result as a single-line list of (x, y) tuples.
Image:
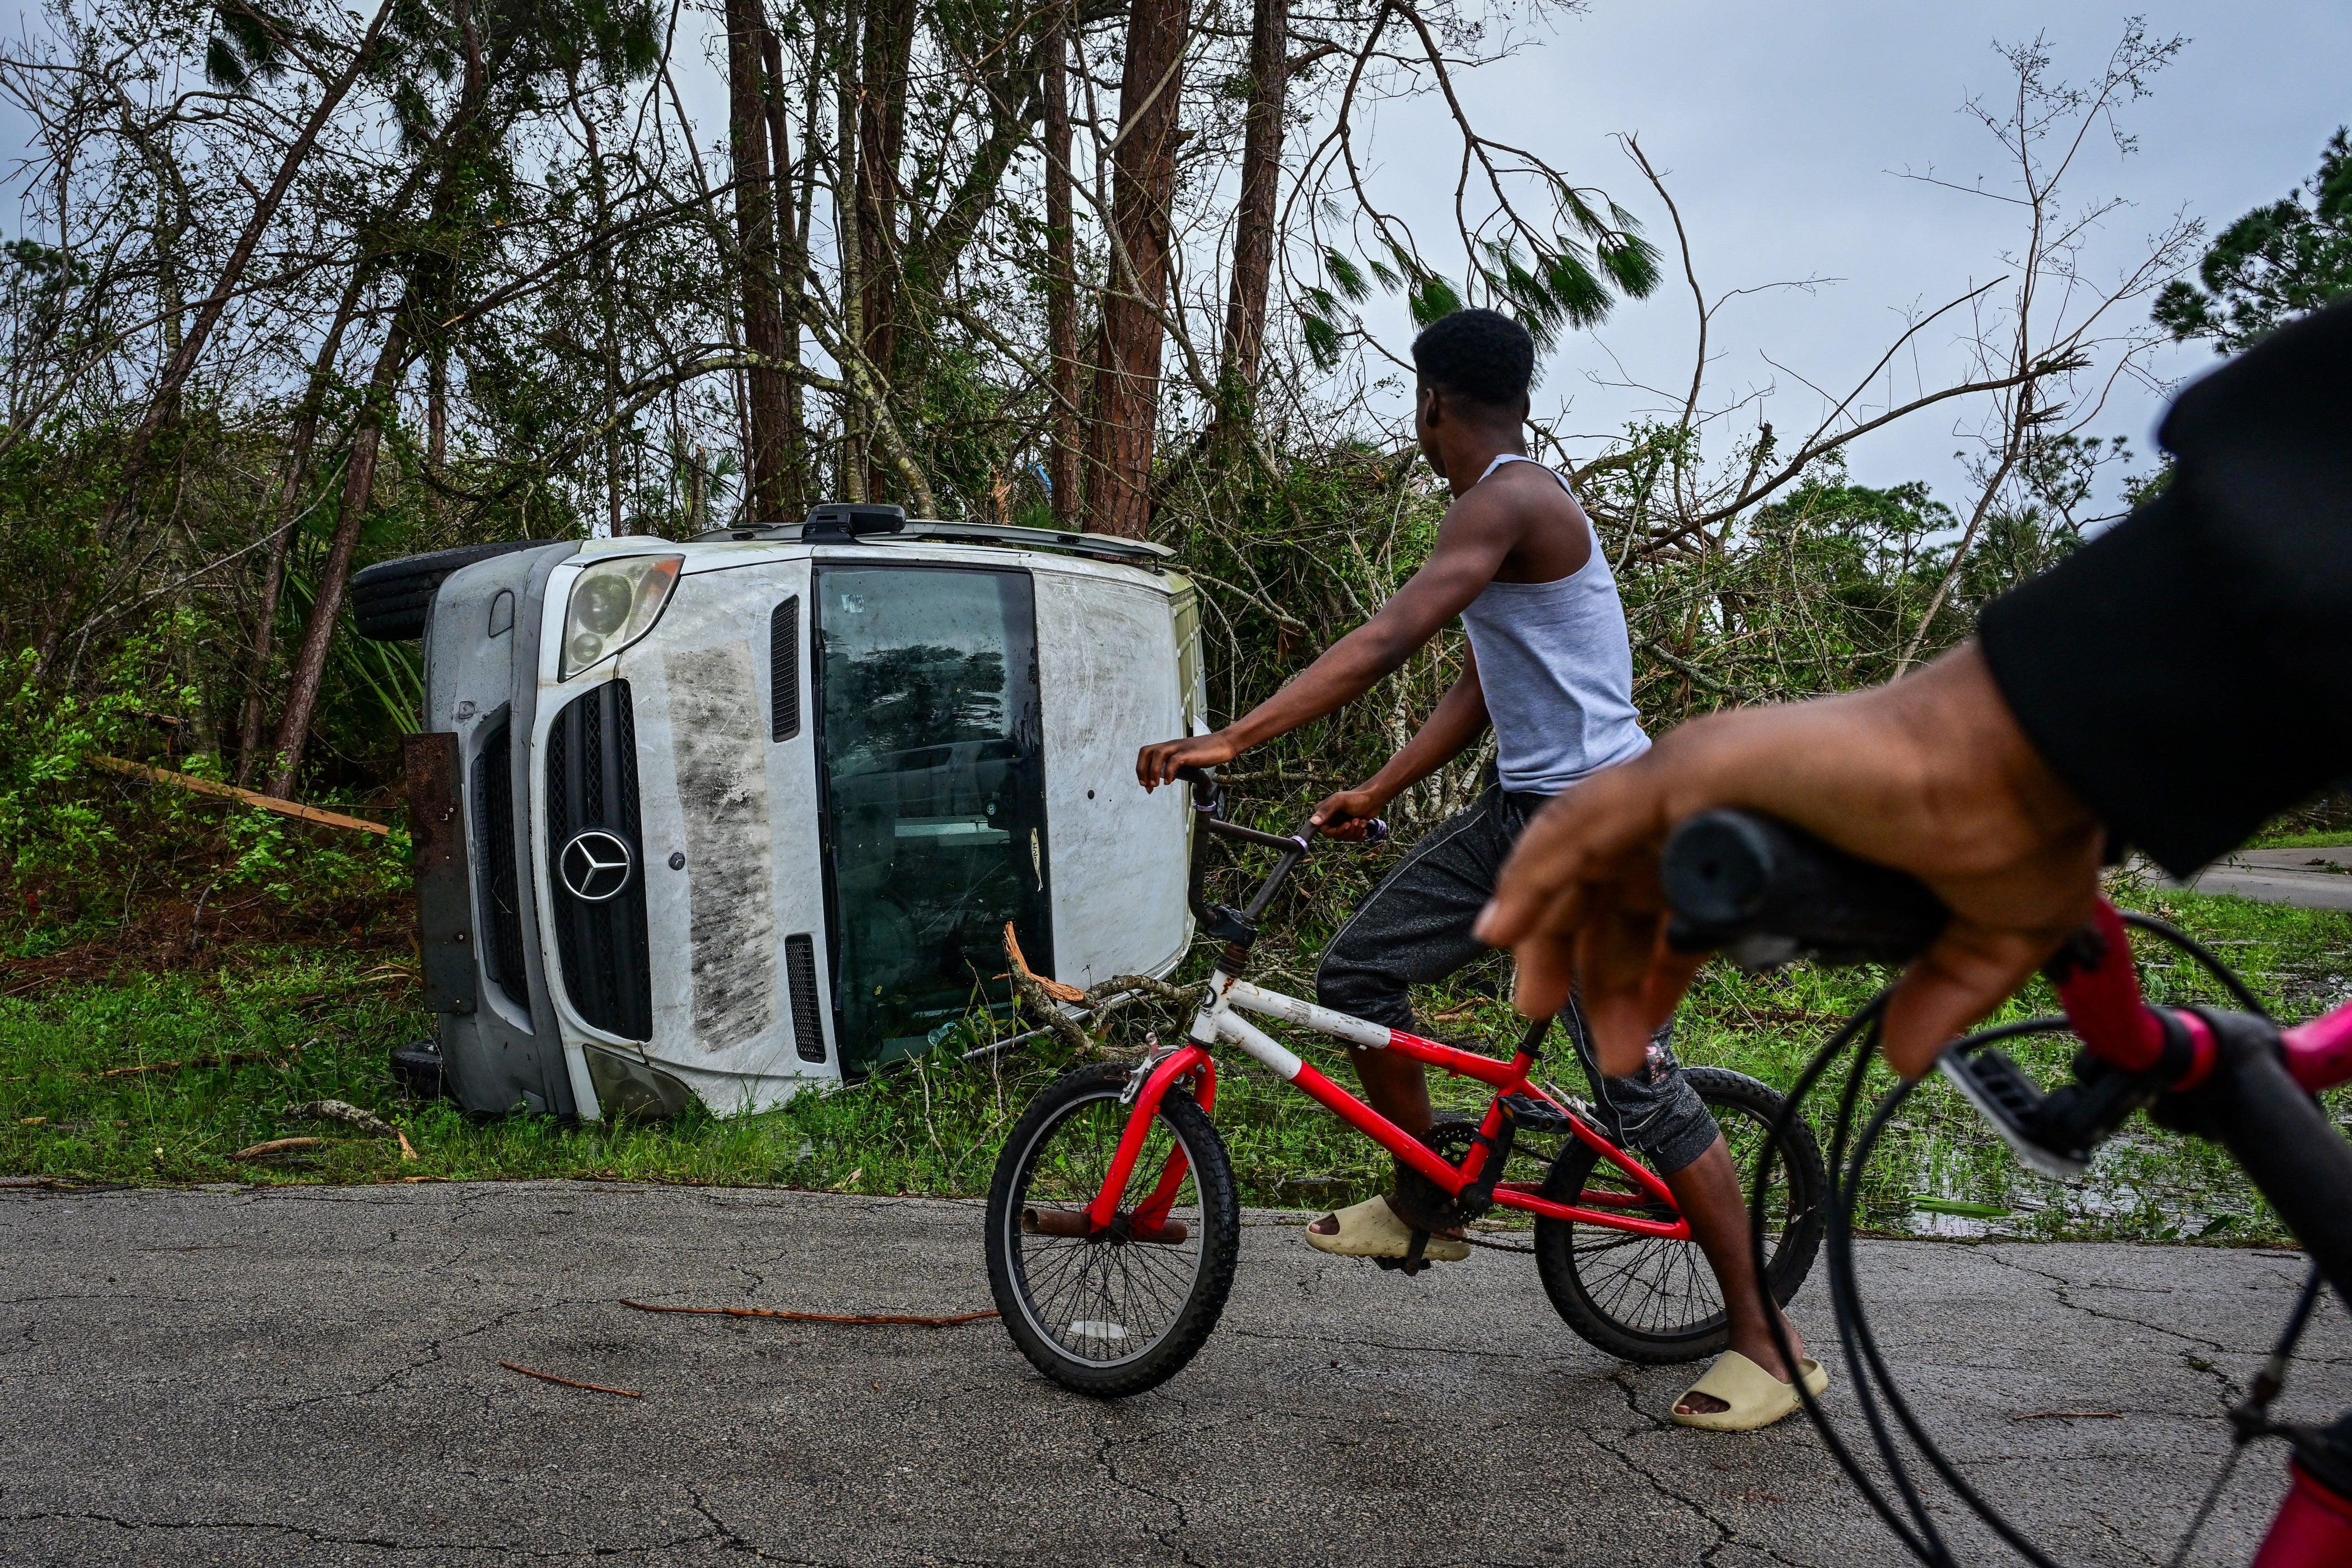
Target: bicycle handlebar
[(1209, 801), (1766, 892)]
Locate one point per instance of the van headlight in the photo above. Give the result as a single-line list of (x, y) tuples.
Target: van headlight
[(615, 603)]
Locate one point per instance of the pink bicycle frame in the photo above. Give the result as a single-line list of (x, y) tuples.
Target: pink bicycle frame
[(2103, 1000)]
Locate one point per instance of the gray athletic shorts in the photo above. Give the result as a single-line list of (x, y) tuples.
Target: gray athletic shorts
[(1415, 929)]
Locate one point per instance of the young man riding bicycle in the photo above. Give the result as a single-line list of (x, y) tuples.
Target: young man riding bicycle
[(1550, 668)]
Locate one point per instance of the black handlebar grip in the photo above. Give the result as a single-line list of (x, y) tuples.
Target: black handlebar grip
[(1766, 892), (1197, 775)]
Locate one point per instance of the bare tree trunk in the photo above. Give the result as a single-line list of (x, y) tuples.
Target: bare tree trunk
[(767, 462), (791, 273), (1261, 191), (1143, 182), (208, 314), (881, 138), (436, 422), (849, 243), (1063, 471), (295, 479), (359, 488)]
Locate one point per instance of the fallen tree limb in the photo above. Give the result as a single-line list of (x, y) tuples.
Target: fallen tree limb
[(340, 1110), (868, 1320), (234, 1059), (571, 1383), (231, 791), (1045, 1001), (278, 1146)]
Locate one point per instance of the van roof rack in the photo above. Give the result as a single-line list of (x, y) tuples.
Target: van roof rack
[(1109, 547), (842, 524)]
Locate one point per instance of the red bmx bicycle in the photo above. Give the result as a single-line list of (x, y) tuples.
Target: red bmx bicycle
[(1114, 1221)]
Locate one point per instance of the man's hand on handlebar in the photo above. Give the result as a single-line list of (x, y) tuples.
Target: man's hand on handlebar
[(1157, 764), (1347, 814), (1930, 775)]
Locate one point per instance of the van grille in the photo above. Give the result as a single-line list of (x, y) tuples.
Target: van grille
[(502, 880), (800, 978), (592, 782)]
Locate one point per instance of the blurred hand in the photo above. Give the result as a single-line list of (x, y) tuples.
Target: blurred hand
[(1348, 814), (1157, 764), (1930, 775)]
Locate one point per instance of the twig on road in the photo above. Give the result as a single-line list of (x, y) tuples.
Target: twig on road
[(875, 1320), (569, 1383)]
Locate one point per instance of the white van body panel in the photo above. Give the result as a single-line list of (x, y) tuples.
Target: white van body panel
[(1106, 653), (745, 810)]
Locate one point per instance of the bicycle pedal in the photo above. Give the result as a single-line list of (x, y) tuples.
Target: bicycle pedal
[(2014, 1104), (1534, 1115), (1405, 1266)]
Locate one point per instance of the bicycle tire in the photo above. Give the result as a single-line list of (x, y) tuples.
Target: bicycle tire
[(1595, 1298), (1042, 1329)]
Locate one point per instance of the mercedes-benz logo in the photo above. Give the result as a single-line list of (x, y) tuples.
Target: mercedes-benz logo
[(595, 865)]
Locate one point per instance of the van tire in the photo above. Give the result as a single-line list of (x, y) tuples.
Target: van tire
[(391, 599), (418, 1069)]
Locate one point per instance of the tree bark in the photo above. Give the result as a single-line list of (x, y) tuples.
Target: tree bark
[(768, 459), (1062, 473), (436, 422), (881, 139), (1261, 191), (1143, 183), (850, 468), (792, 271), (359, 487)]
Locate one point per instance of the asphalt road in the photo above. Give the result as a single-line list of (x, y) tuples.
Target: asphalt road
[(2310, 879), (312, 1375)]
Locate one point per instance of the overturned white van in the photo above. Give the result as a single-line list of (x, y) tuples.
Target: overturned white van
[(720, 820)]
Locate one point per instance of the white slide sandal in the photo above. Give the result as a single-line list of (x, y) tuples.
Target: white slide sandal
[(1371, 1229)]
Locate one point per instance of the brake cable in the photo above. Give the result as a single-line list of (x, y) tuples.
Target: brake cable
[(1872, 1379)]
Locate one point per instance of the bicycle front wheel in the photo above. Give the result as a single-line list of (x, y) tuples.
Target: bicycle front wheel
[(1647, 1298), (1119, 1312)]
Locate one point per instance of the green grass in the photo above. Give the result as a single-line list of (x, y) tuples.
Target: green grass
[(2320, 838), (307, 1023)]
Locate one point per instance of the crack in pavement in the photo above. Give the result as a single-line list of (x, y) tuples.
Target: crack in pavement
[(2059, 1287), (1726, 1536)]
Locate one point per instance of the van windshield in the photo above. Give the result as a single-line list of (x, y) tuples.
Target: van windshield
[(934, 798)]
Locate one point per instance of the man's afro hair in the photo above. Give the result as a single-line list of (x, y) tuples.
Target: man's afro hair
[(1480, 356)]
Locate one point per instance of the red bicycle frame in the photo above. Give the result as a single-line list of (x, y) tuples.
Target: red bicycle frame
[(1219, 1018)]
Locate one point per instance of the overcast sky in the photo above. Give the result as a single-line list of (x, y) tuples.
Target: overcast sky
[(1784, 131)]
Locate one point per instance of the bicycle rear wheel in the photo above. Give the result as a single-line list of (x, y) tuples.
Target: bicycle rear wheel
[(1647, 1298), (1112, 1314)]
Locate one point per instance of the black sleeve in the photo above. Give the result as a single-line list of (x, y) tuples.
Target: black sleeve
[(2189, 671)]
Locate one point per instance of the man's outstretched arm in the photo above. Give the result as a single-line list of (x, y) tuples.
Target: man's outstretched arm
[(1459, 719), (1475, 537)]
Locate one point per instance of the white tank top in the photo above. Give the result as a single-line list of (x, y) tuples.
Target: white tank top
[(1557, 665)]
